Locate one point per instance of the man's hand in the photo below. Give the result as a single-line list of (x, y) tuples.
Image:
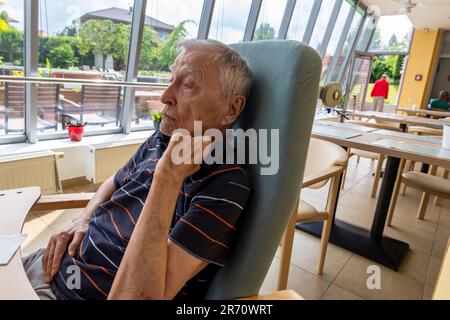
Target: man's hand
[(184, 165), (68, 239)]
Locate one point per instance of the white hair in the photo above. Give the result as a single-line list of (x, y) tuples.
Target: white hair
[(235, 74)]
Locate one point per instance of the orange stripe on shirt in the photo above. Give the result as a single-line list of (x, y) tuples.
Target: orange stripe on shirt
[(204, 234), (185, 194), (89, 278), (215, 215), (220, 171), (93, 265), (124, 208), (115, 226)]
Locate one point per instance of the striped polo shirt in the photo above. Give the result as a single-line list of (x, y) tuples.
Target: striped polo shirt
[(203, 224)]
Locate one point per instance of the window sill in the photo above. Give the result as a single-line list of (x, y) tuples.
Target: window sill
[(64, 144)]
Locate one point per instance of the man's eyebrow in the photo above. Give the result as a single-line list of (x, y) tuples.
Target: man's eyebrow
[(191, 70)]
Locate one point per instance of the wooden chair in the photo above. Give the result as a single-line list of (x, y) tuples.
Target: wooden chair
[(326, 161), (425, 131), (368, 155), (14, 108), (99, 105), (428, 183)]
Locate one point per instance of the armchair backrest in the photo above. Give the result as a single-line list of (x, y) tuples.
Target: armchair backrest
[(283, 96)]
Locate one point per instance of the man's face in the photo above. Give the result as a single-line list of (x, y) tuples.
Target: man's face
[(195, 94)]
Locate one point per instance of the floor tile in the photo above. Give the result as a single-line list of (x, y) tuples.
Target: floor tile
[(354, 277), (336, 293)]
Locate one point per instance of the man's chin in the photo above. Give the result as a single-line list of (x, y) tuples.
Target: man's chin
[(166, 128)]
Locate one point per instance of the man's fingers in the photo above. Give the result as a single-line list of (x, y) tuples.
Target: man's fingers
[(59, 251), (49, 261), (75, 243)]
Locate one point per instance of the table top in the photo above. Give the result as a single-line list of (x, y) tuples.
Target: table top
[(15, 205), (404, 119), (428, 112), (397, 144)]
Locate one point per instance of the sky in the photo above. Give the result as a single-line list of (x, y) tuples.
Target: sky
[(232, 14)]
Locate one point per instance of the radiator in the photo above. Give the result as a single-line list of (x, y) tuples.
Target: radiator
[(104, 160), (31, 169)]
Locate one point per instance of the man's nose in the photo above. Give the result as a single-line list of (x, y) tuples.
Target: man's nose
[(168, 98)]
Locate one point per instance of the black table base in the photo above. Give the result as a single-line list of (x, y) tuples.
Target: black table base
[(388, 252)]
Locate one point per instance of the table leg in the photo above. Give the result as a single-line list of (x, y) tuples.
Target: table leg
[(372, 245)]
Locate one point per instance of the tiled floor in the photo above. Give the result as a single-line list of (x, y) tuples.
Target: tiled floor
[(345, 275)]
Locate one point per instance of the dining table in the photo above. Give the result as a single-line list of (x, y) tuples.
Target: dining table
[(425, 112), (403, 120), (373, 244)]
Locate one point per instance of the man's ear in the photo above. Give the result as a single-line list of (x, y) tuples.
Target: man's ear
[(235, 107)]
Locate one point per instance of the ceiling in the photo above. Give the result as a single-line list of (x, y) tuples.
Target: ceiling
[(436, 13)]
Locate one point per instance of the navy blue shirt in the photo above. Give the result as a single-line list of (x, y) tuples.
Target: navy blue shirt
[(203, 224)]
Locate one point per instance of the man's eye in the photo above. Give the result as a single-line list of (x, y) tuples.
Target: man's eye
[(188, 85)]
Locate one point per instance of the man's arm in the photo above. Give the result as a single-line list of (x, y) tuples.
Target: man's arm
[(71, 237), (153, 267)]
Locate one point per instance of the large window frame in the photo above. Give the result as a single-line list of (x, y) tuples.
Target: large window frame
[(31, 27)]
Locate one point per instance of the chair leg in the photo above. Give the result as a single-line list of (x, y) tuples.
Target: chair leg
[(398, 182), (331, 205), (444, 176), (409, 167), (286, 250), (425, 198), (344, 175), (376, 179)]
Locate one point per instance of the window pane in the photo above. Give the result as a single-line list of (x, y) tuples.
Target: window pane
[(269, 19), (363, 42), (347, 46), (11, 63), (393, 34), (175, 22), (335, 37), (446, 44), (82, 40), (299, 20), (229, 20), (321, 24)]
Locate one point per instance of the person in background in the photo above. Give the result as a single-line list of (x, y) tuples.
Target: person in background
[(442, 102), (380, 92)]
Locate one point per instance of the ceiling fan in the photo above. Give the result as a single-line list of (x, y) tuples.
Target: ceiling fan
[(408, 5)]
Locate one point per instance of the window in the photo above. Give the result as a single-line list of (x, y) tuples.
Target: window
[(335, 37), (321, 24), (366, 33), (393, 34), (84, 41), (269, 19), (179, 20), (299, 20), (12, 96), (229, 20), (345, 52), (445, 51)]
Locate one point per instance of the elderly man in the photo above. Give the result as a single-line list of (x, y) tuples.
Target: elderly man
[(159, 230)]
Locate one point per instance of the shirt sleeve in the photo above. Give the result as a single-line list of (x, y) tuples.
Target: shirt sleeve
[(120, 177), (206, 230)]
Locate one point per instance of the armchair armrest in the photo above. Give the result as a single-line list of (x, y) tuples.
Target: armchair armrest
[(62, 201), (321, 176), (279, 295)]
